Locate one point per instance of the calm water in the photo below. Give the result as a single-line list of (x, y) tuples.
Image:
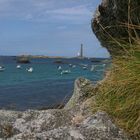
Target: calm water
[(21, 90)]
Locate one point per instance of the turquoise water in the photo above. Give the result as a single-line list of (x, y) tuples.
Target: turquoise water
[(21, 90)]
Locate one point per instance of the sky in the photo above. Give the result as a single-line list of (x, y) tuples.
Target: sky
[(48, 27)]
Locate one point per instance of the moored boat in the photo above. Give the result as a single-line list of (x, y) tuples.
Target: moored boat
[(30, 70), (2, 68), (18, 66), (65, 72)]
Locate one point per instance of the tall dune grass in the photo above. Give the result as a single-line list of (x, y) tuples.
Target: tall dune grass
[(119, 95)]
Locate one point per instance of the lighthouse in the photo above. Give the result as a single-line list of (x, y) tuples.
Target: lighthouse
[(81, 51), (80, 54)]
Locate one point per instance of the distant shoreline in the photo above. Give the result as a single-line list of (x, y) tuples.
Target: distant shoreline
[(53, 57)]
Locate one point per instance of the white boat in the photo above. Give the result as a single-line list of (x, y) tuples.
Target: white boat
[(30, 69), (65, 72), (70, 65), (18, 67), (59, 68), (84, 65), (74, 66), (92, 68), (85, 68), (2, 68)]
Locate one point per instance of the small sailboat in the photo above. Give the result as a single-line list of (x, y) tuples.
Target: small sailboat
[(30, 70), (59, 68), (92, 68), (74, 66), (2, 68), (85, 68), (70, 65), (84, 65), (65, 72), (18, 66)]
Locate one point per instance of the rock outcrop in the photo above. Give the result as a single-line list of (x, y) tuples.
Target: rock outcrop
[(116, 20), (74, 122), (23, 59)]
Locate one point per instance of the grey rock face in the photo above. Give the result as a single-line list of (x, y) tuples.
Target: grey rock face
[(82, 91), (61, 124), (96, 127), (111, 22)]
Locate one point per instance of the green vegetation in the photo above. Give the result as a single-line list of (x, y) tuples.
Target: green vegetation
[(119, 95)]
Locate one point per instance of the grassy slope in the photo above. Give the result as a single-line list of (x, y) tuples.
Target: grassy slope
[(119, 95)]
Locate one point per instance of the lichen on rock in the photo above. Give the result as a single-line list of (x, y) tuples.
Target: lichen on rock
[(61, 124)]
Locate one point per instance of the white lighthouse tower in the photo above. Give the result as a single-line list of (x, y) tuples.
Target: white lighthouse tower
[(81, 53)]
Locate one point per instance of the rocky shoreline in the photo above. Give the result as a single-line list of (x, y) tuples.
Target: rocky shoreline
[(74, 122)]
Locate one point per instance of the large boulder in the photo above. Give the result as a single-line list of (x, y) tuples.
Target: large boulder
[(116, 21), (74, 122), (83, 88)]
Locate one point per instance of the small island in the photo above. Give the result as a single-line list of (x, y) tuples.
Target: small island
[(23, 59)]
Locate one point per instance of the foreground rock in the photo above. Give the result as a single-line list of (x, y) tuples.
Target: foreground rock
[(74, 122)]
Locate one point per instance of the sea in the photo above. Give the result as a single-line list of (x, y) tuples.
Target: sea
[(46, 86)]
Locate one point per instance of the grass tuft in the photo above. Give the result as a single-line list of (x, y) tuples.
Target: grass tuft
[(119, 95)]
